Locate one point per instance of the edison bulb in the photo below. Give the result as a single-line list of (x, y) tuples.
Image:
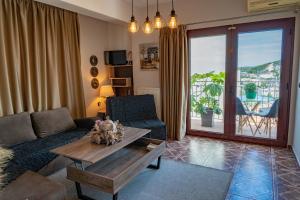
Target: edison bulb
[(133, 26), (158, 21), (173, 22), (147, 27)]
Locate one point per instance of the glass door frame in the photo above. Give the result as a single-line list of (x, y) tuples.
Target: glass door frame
[(231, 32), (222, 30)]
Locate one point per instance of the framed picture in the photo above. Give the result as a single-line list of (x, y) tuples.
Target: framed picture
[(149, 56)]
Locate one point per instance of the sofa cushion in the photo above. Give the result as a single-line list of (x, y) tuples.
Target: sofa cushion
[(158, 128), (52, 122), (115, 109), (34, 155), (15, 129), (131, 108), (147, 124)]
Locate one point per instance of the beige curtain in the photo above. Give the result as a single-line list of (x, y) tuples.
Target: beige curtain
[(39, 58), (174, 79)]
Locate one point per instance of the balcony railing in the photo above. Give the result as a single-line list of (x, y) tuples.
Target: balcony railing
[(267, 93)]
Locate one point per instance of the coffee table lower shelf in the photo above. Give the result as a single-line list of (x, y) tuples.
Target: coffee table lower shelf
[(113, 172)]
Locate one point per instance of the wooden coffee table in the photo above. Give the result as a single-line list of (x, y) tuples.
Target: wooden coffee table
[(110, 168)]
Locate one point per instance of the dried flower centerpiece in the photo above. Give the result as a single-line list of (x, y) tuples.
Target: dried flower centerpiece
[(107, 132)]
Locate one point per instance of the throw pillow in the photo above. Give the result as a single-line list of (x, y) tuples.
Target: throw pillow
[(15, 129), (52, 122)]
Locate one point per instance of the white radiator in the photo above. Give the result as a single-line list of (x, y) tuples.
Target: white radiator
[(156, 93)]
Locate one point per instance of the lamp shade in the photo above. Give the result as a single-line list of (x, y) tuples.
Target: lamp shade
[(106, 91)]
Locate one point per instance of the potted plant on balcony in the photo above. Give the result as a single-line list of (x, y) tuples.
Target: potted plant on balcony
[(206, 103), (250, 90)]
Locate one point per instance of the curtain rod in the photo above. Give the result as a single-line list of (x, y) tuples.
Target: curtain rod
[(241, 17)]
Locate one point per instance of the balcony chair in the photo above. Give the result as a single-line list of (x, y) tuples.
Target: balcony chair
[(267, 116), (244, 116)]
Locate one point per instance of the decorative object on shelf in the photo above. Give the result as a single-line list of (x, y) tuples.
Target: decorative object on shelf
[(173, 22), (5, 156), (133, 26), (129, 57), (149, 56), (120, 82), (147, 26), (94, 71), (250, 90), (95, 83), (158, 21), (93, 60), (105, 91), (107, 132)]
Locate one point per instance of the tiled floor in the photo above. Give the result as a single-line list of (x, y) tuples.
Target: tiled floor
[(260, 172)]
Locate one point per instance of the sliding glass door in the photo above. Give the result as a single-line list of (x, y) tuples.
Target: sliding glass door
[(258, 83), (208, 83), (240, 81)]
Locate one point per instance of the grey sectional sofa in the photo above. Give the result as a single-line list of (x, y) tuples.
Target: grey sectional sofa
[(32, 136)]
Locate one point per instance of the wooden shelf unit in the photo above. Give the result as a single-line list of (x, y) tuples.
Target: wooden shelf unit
[(121, 77)]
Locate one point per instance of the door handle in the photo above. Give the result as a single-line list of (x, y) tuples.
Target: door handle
[(231, 90)]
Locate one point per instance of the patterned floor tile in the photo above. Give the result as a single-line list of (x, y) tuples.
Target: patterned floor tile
[(260, 172)]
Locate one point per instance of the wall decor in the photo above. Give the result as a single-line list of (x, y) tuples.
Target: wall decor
[(94, 71), (95, 83), (149, 56), (93, 60)]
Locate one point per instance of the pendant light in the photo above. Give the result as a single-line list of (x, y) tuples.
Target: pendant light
[(133, 26), (173, 20), (158, 21), (147, 26)]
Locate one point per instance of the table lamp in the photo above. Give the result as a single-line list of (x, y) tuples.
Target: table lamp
[(105, 91)]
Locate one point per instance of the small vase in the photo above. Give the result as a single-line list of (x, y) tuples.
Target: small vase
[(251, 95)]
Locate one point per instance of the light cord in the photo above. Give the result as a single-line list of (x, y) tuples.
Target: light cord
[(132, 8), (172, 5), (147, 9)]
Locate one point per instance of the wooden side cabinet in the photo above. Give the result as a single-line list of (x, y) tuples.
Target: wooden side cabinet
[(121, 77)]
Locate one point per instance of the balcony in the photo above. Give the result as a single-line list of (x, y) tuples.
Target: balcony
[(267, 91)]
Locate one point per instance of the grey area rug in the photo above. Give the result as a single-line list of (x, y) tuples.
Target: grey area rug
[(173, 181)]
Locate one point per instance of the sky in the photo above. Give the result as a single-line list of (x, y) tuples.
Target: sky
[(208, 53)]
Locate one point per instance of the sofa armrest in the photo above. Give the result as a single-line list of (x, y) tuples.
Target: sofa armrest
[(86, 123)]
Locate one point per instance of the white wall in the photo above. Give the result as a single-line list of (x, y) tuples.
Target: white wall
[(107, 10), (143, 78), (97, 36), (296, 142), (192, 11)]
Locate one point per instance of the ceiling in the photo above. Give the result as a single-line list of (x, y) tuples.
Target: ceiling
[(143, 3)]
